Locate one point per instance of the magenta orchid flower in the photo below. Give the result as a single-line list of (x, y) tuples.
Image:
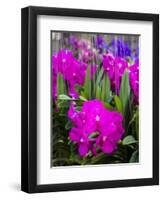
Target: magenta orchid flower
[(95, 118), (71, 69), (134, 80), (115, 68)]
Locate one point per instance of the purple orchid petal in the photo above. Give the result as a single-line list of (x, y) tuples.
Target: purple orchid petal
[(83, 149), (74, 135), (108, 147), (134, 80)]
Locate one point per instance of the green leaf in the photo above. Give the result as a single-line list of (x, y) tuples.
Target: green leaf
[(134, 157), (125, 92), (134, 123), (118, 103), (82, 98), (64, 97), (93, 85), (98, 158), (68, 125), (137, 125), (75, 159), (83, 94), (62, 104), (98, 92), (135, 115), (129, 140), (87, 84), (94, 134), (99, 77), (105, 90), (60, 85), (125, 99), (108, 106)]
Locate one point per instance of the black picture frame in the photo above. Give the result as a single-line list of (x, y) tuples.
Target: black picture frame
[(29, 99)]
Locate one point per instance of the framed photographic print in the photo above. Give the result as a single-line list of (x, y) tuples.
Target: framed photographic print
[(90, 99)]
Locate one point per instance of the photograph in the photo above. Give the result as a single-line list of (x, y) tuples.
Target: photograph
[(90, 99), (94, 98)]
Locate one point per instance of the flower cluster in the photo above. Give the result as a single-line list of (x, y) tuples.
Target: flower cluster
[(77, 43), (120, 48), (95, 128), (115, 68), (72, 70)]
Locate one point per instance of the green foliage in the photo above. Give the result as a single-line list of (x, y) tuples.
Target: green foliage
[(87, 84), (94, 134), (134, 157), (125, 92), (105, 89), (68, 125), (118, 103), (109, 106), (82, 98), (129, 140), (98, 92), (64, 97), (125, 98), (133, 125), (61, 88), (99, 76)]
